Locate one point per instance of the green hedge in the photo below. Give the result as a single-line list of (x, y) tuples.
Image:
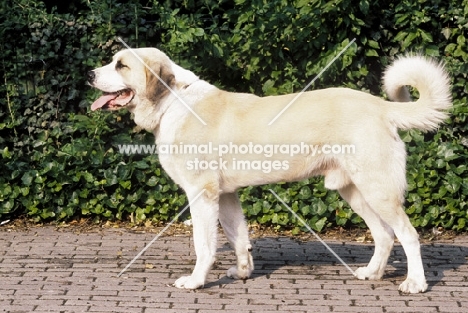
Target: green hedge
[(60, 161)]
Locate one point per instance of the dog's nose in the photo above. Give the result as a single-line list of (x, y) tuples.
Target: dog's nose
[(91, 76)]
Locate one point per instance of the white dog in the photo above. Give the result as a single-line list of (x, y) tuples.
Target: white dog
[(231, 145)]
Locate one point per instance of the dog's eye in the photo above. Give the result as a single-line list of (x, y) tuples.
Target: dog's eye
[(120, 65)]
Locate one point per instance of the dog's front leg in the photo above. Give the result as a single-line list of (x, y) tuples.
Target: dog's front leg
[(235, 227), (205, 213)]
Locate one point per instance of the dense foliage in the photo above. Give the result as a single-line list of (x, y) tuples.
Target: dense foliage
[(60, 161)]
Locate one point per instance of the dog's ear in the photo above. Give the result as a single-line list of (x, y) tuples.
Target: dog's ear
[(157, 73)]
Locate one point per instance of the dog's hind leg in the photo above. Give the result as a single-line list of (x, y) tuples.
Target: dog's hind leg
[(380, 230), (205, 212), (235, 227), (385, 200)]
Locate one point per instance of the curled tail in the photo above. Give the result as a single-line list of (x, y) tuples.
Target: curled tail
[(433, 84)]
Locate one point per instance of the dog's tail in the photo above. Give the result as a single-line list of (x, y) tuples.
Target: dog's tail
[(433, 84)]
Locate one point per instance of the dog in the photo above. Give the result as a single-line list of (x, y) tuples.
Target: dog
[(182, 109)]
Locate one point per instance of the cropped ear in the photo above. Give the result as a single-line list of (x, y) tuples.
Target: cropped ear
[(160, 70)]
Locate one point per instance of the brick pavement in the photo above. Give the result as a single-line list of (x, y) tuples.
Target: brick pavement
[(50, 270)]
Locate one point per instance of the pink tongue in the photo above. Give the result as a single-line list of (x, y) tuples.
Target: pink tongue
[(99, 103)]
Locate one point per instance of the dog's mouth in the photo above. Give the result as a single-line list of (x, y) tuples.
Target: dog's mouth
[(113, 100)]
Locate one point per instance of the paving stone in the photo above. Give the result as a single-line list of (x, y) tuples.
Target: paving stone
[(57, 270)]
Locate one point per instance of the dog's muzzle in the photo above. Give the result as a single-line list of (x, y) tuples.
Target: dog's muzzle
[(91, 77)]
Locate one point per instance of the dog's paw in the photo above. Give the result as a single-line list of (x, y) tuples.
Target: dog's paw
[(242, 272), (413, 286), (365, 273), (188, 282)]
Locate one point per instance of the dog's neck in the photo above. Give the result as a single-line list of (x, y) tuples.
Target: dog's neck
[(173, 105), (147, 116), (183, 77)]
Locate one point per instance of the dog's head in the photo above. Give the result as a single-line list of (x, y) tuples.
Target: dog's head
[(132, 77)]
